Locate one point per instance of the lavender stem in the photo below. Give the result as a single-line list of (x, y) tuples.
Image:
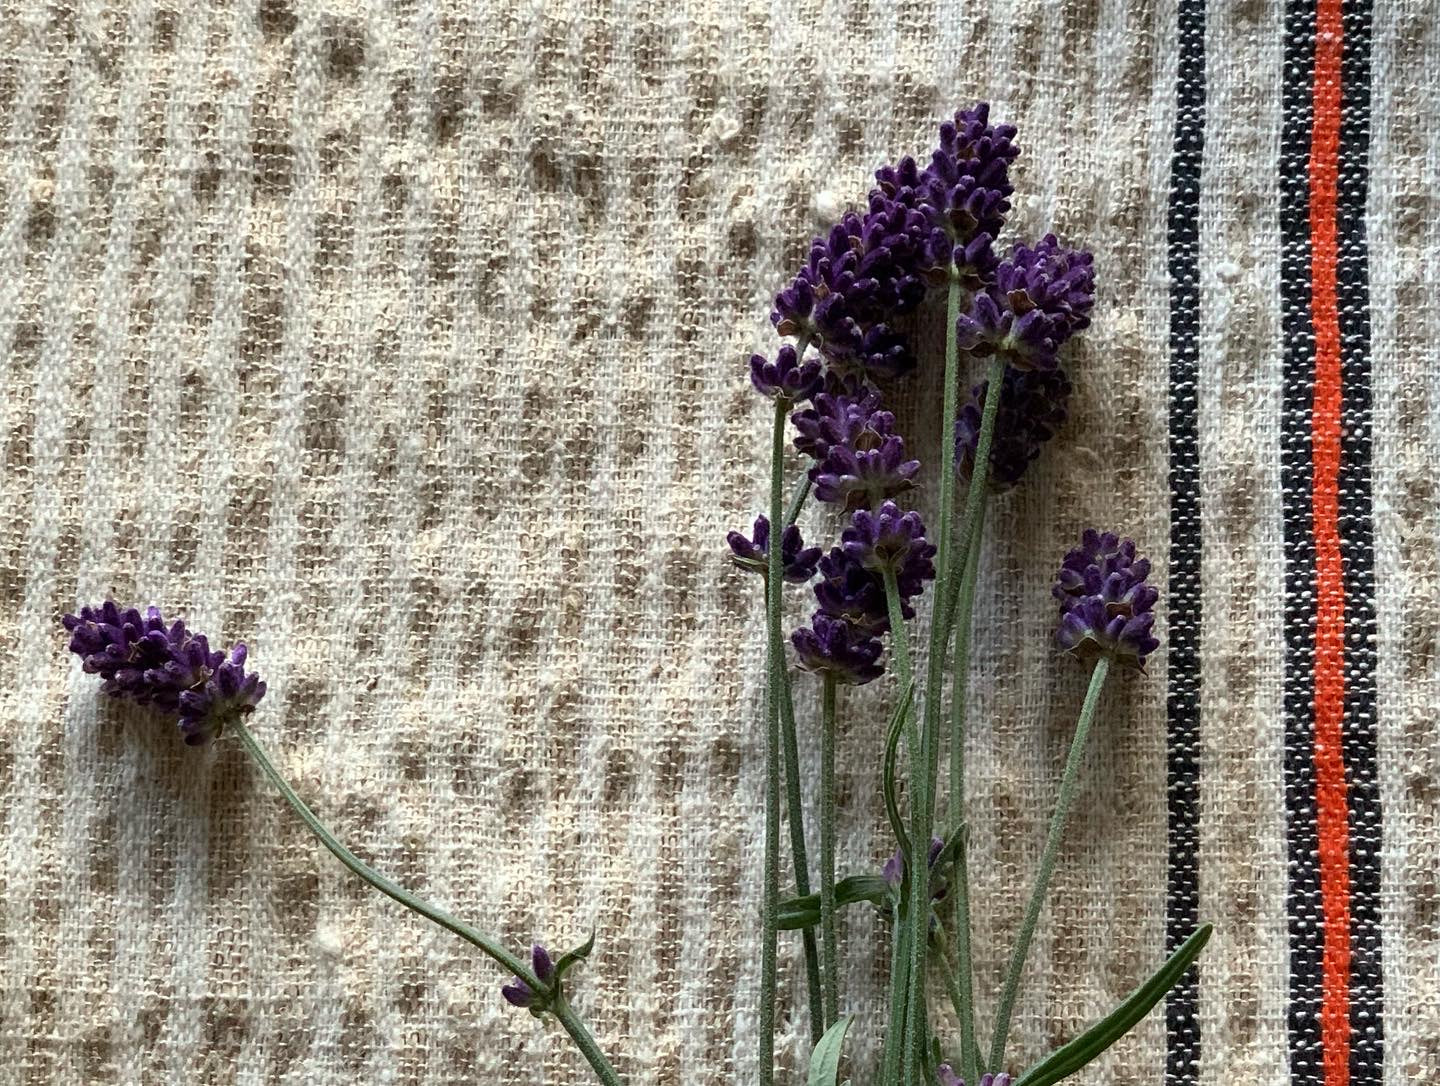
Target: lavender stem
[(1053, 839)]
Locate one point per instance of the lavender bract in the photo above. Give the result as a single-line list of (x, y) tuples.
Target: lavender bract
[(519, 994), (752, 553), (833, 647), (145, 661), (1033, 405), (1106, 606)]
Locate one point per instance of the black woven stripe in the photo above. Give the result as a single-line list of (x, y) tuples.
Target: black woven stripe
[(1296, 474), (1357, 542), (1182, 904)]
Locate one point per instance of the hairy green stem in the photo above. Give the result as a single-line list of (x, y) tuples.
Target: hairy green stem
[(829, 949), (1068, 783), (979, 481), (796, 819), (964, 964), (958, 999), (899, 642), (924, 768), (904, 931), (895, 1029), (583, 1040), (774, 662)]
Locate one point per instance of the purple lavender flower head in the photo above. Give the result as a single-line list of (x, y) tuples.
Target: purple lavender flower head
[(833, 647), (848, 413), (855, 279), (1032, 408), (869, 469), (752, 554), (787, 378), (847, 590), (859, 458), (143, 660), (963, 194), (1040, 298), (890, 540), (1106, 606), (948, 1077), (519, 994)]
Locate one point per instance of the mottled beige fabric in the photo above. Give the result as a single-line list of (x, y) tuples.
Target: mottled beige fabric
[(407, 345)]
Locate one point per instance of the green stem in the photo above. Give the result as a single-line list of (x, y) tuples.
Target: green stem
[(895, 1030), (774, 662), (828, 946), (394, 890), (924, 769), (958, 999), (584, 1041), (979, 482), (900, 1010), (964, 965), (1068, 784), (799, 853)]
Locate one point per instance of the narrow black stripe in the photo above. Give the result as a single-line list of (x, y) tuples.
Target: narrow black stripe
[(1296, 475), (1357, 543), (1182, 903)]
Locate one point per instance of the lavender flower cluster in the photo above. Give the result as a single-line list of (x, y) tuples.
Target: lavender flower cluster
[(923, 225), (1106, 608), (170, 668)]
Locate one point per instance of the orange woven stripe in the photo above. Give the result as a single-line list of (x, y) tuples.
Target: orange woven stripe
[(1332, 807)]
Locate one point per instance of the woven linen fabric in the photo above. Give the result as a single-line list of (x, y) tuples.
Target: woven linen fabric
[(407, 344)]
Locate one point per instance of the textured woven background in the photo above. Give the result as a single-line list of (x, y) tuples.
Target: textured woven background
[(407, 346)]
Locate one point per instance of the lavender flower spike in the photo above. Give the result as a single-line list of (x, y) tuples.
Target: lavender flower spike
[(833, 647), (1106, 606), (752, 554), (857, 477), (145, 661), (519, 994), (850, 591)]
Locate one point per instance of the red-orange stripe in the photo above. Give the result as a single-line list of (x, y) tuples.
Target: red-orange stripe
[(1332, 809)]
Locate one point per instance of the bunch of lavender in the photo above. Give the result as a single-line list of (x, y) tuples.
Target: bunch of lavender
[(924, 230), (1010, 311)]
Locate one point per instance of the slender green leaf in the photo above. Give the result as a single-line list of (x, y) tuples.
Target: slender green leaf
[(574, 957), (892, 746), (1064, 1062), (804, 911), (825, 1060)]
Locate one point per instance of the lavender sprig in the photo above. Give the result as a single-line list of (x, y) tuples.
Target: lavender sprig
[(169, 668), (1102, 574)]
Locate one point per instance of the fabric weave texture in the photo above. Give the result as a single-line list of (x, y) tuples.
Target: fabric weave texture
[(409, 345)]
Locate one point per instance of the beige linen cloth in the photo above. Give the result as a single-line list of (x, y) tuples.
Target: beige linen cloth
[(407, 344)]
